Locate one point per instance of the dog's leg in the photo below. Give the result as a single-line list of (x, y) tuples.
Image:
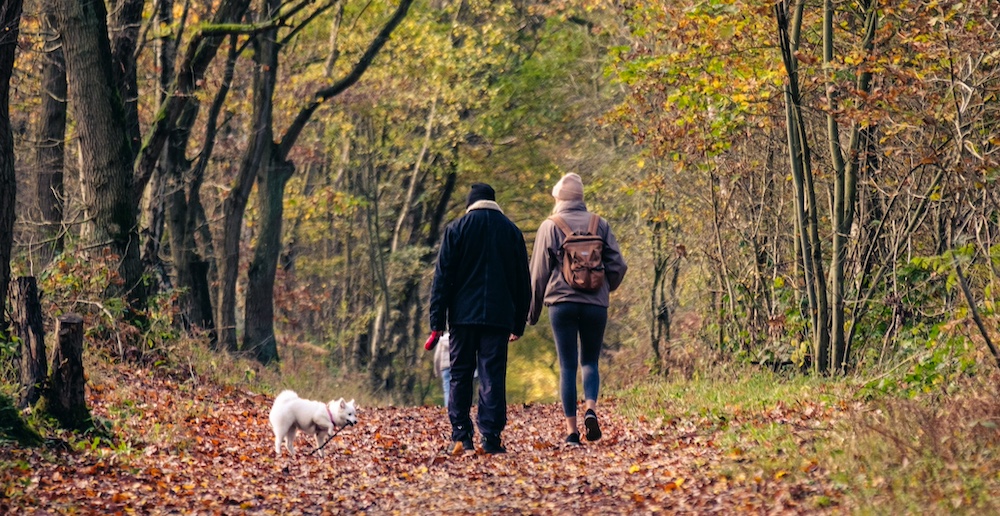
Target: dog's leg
[(290, 442), (277, 444), (319, 442)]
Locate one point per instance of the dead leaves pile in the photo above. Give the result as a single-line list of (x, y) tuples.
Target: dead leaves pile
[(201, 448)]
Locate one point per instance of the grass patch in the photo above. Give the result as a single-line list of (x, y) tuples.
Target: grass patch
[(935, 453), (939, 453)]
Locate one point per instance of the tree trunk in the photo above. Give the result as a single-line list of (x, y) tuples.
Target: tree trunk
[(65, 399), (805, 195), (126, 20), (155, 210), (259, 339), (50, 153), (235, 203), (274, 174), (106, 155), (27, 316), (415, 184), (845, 185), (10, 21)]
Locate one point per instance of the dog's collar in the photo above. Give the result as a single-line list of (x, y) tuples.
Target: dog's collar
[(332, 422)]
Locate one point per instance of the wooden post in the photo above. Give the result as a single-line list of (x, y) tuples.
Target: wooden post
[(27, 319), (65, 399)]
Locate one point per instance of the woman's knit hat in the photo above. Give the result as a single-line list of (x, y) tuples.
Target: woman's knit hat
[(569, 188)]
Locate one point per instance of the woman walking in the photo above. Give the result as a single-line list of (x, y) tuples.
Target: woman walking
[(575, 264)]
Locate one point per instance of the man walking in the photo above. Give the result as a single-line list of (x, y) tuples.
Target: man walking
[(480, 294)]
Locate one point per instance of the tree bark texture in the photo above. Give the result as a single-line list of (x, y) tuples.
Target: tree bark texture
[(27, 318), (272, 175), (106, 155), (65, 400), (126, 20), (185, 211), (259, 338), (10, 23), (50, 153), (234, 206)]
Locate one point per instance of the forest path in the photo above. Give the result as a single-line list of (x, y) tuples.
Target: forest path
[(206, 449)]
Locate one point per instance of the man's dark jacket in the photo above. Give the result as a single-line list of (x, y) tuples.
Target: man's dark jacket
[(481, 277)]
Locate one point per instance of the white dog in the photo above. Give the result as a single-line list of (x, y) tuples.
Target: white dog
[(291, 413)]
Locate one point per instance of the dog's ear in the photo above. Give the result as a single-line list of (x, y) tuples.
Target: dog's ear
[(351, 403), (342, 404)]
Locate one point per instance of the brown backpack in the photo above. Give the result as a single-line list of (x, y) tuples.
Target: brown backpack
[(582, 255)]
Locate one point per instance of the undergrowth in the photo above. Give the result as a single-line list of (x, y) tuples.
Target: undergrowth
[(925, 452)]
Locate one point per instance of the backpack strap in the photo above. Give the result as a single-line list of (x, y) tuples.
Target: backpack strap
[(595, 219), (592, 228), (561, 224)]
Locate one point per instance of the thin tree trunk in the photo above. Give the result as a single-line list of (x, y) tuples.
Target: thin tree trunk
[(806, 207), (975, 311), (50, 153), (196, 225), (845, 186), (10, 23), (723, 268), (404, 212), (839, 195), (158, 192), (331, 60)]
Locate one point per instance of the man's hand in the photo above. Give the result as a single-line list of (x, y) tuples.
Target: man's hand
[(513, 337), (432, 340)]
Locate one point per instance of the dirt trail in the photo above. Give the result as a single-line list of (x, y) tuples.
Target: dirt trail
[(209, 450)]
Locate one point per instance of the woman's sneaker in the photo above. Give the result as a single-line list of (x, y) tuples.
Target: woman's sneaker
[(573, 439), (593, 427)]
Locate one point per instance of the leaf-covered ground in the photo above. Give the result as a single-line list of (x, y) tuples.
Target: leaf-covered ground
[(209, 449)]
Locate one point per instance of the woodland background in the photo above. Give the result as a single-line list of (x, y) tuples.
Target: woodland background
[(807, 187)]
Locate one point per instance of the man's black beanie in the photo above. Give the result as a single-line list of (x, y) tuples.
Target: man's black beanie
[(481, 192)]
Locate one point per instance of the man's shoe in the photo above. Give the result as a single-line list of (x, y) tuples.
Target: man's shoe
[(573, 439), (458, 447), (593, 428), (493, 446)]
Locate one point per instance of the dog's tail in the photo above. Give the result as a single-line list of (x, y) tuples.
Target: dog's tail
[(285, 397)]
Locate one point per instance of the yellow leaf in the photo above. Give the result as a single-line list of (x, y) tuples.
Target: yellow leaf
[(634, 468)]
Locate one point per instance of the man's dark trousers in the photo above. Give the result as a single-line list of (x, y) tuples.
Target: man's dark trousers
[(485, 347)]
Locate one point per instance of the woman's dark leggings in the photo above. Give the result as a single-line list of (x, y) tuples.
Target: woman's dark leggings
[(573, 324)]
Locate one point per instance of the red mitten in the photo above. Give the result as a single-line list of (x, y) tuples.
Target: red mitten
[(432, 340)]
